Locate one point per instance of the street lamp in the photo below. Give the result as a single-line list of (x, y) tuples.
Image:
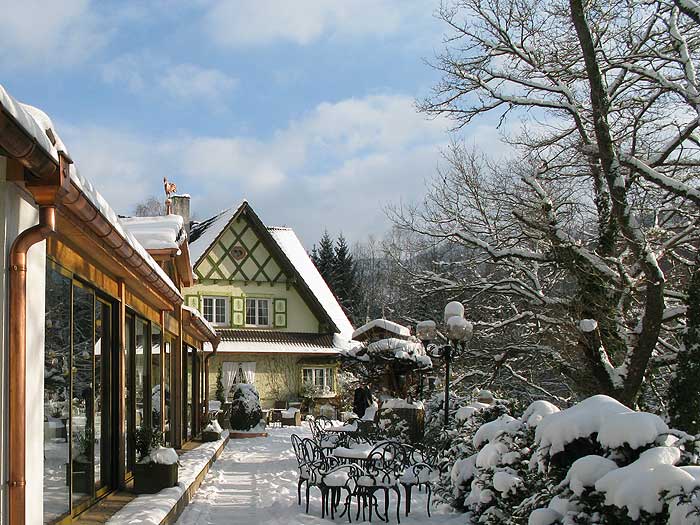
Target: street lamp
[(459, 332)]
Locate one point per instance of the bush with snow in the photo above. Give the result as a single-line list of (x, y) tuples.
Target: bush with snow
[(246, 412), (596, 462)]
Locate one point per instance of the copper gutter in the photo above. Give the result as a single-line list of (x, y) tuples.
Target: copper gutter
[(18, 358), (49, 183), (76, 202)]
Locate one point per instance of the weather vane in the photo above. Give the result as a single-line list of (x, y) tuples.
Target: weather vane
[(169, 188)]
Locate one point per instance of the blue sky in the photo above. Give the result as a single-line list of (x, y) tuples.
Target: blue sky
[(306, 108)]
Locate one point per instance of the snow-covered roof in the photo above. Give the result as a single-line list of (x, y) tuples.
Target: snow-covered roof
[(196, 313), (165, 232), (256, 347), (204, 233), (389, 326), (289, 243), (37, 123)]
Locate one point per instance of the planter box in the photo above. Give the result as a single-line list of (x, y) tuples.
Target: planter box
[(150, 478), (207, 436)]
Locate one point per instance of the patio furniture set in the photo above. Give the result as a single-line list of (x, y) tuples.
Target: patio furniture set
[(353, 461)]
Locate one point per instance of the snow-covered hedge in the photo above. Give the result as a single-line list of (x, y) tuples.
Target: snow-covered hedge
[(596, 462)]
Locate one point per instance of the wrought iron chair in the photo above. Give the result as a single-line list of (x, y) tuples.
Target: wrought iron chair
[(383, 468), (337, 479), (419, 469)]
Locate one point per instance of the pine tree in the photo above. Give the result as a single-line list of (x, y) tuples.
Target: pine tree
[(345, 275), (684, 407), (326, 263)]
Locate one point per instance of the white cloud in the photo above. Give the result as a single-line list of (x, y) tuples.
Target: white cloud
[(188, 81), (147, 73), (256, 22), (49, 33), (336, 167)]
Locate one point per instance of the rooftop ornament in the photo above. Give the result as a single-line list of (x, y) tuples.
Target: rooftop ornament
[(458, 330)]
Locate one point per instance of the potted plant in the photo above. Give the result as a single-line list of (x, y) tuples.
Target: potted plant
[(212, 432), (157, 467), (81, 468)]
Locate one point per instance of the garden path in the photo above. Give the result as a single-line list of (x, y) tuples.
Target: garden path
[(254, 482)]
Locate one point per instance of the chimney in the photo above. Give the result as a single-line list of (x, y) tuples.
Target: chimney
[(181, 207)]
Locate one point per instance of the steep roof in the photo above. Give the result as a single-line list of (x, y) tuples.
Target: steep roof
[(289, 243), (292, 256)]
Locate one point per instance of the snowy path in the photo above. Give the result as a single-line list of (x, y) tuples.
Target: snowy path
[(254, 482)]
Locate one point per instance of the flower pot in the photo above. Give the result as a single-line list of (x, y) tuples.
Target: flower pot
[(208, 436), (150, 478)]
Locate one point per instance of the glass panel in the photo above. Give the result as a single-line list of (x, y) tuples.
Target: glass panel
[(83, 399), (129, 456), (250, 311), (183, 399), (221, 311), (103, 339), (263, 312), (318, 379), (140, 373), (56, 395), (156, 420), (190, 374), (307, 375), (166, 389), (330, 380), (208, 309)]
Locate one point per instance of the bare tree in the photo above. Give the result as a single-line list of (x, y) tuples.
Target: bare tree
[(149, 207), (605, 198)]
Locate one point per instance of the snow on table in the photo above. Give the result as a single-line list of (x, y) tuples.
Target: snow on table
[(152, 508), (361, 451), (254, 481), (343, 428)]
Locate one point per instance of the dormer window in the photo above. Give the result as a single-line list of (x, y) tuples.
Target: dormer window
[(215, 310), (257, 312)]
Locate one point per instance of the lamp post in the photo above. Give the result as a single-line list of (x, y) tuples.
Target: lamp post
[(459, 332)]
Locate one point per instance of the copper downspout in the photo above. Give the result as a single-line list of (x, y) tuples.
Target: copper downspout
[(18, 358)]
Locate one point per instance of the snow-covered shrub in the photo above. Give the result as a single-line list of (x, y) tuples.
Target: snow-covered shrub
[(246, 412), (401, 420), (596, 462), (454, 445)]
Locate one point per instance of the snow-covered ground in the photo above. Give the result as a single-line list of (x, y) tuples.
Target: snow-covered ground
[(254, 481)]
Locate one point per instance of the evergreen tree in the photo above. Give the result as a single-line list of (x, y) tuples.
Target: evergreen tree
[(345, 277), (684, 407), (325, 262)]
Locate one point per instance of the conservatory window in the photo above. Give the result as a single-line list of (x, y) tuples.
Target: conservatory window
[(215, 310), (257, 312)]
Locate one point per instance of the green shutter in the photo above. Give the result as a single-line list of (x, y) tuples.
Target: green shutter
[(238, 311), (192, 301), (280, 306)]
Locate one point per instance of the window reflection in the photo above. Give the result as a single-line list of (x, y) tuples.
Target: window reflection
[(82, 406), (140, 371), (156, 408), (166, 388), (56, 395)]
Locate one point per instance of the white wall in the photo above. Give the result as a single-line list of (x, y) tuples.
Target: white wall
[(17, 213)]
